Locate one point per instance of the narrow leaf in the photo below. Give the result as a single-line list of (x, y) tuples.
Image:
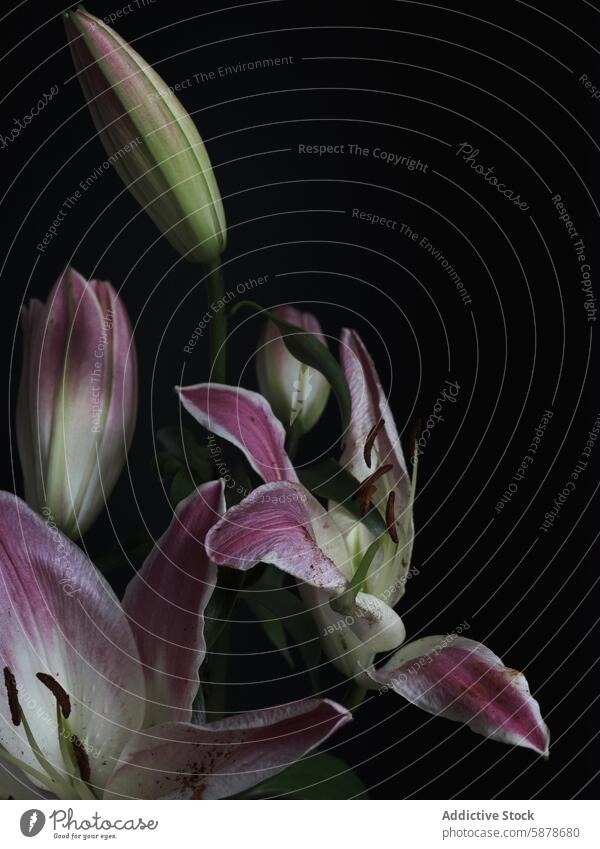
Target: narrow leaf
[(273, 628)]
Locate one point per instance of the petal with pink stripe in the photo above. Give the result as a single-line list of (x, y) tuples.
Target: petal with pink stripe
[(165, 603), (369, 405), (274, 524), (59, 616), (182, 761), (245, 419), (463, 680)]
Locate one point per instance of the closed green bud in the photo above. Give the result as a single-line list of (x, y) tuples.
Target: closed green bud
[(150, 139)]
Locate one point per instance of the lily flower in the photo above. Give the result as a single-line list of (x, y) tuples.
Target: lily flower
[(99, 694), (281, 523), (77, 401), (150, 139), (373, 454), (297, 394)]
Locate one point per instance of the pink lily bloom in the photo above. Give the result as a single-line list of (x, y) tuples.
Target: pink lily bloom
[(372, 452), (281, 523), (100, 693), (77, 400)]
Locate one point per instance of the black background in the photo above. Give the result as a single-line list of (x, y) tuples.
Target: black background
[(414, 79)]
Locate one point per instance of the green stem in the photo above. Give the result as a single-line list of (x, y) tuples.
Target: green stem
[(218, 323), (293, 440), (345, 603)]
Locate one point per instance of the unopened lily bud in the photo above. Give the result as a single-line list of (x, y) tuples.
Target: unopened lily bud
[(77, 400), (297, 393), (150, 139)]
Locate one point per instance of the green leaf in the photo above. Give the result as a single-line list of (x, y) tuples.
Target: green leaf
[(330, 480), (316, 776), (286, 607), (131, 552), (307, 348), (181, 486), (180, 450), (184, 461), (221, 603), (345, 603), (273, 628)]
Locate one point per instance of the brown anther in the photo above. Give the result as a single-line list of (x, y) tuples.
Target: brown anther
[(57, 691), (10, 683), (371, 441), (81, 756), (390, 517), (365, 501), (370, 481)]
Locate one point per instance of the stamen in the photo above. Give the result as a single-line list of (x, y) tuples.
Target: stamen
[(81, 757), (67, 742), (390, 517), (52, 779), (29, 770), (365, 501), (10, 682), (57, 691), (61, 786), (371, 441), (369, 482)]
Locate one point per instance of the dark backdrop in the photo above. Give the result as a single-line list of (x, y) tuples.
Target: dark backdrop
[(416, 80)]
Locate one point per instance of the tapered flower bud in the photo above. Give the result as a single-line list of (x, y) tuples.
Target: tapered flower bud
[(297, 393), (150, 138), (77, 400)]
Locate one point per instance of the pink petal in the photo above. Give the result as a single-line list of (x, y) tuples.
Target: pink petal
[(387, 577), (77, 399), (464, 681), (45, 334), (369, 404), (245, 419), (59, 616), (180, 761), (119, 401), (72, 448), (165, 603), (274, 524)]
